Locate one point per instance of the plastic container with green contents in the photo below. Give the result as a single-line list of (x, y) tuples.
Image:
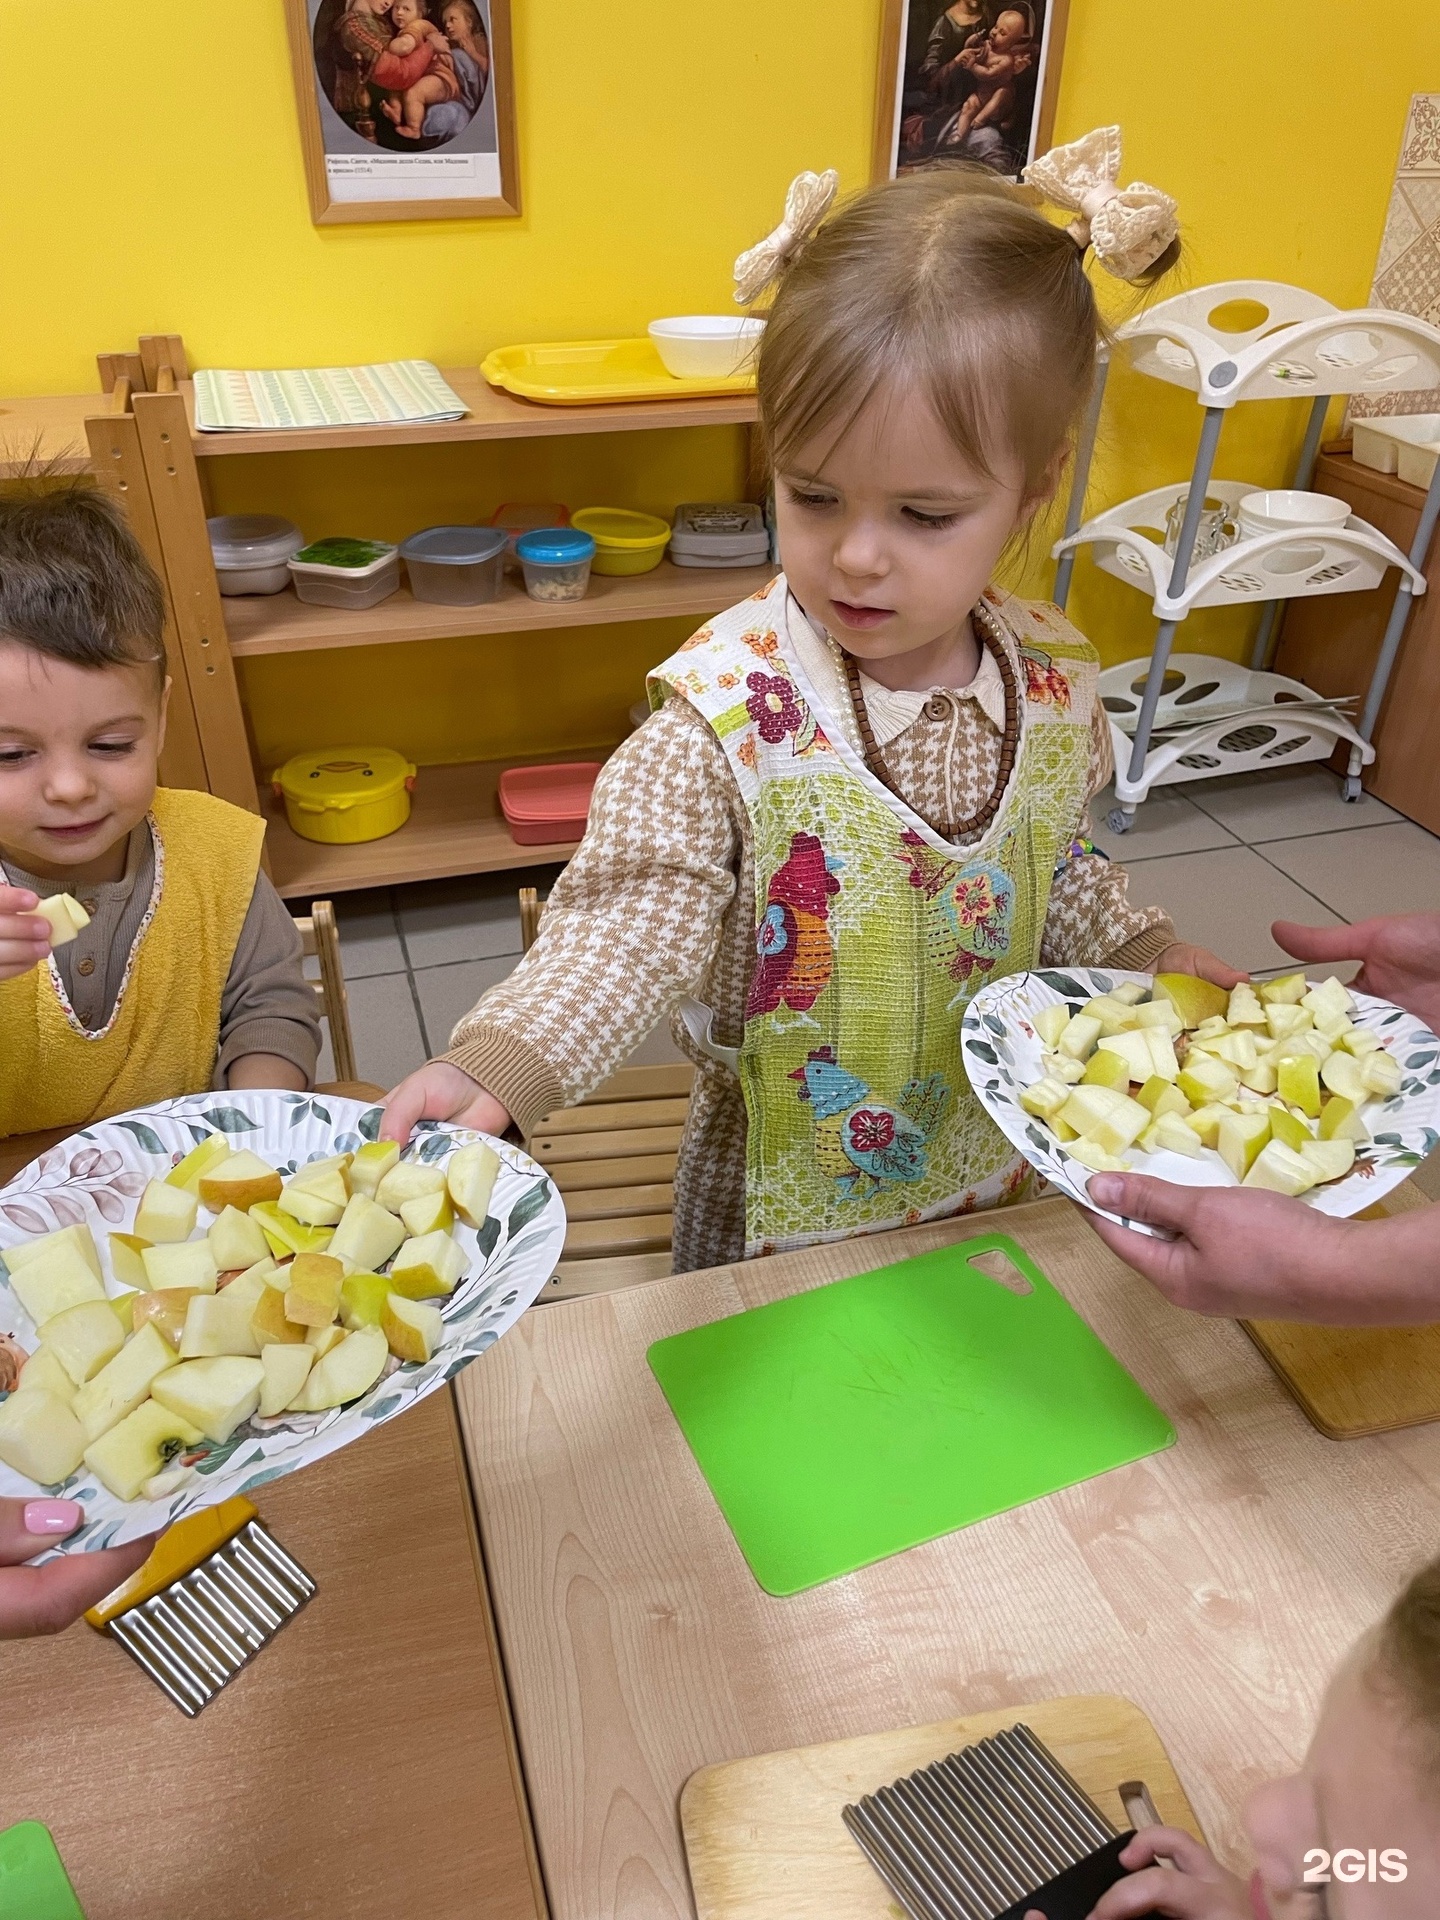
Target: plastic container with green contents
[(346, 573), (625, 542)]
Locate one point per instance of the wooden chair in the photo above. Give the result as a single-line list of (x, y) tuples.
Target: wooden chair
[(613, 1160)]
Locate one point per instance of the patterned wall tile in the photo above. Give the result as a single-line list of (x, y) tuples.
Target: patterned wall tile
[(1407, 273)]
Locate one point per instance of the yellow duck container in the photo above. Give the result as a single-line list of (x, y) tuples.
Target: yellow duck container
[(346, 794), (625, 542)]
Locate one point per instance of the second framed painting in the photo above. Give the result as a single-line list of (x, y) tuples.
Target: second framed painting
[(974, 80), (407, 108)]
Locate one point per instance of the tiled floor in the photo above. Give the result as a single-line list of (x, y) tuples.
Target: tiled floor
[(1225, 857)]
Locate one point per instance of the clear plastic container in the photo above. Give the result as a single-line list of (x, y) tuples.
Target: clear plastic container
[(720, 534), (250, 551), (455, 566), (517, 517), (556, 562), (346, 573)]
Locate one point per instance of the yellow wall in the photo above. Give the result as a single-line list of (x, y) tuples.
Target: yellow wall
[(158, 186)]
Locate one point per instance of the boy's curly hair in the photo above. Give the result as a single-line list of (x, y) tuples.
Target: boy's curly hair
[(1407, 1656), (74, 584)]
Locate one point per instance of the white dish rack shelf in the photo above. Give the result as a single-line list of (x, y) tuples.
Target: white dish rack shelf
[(1191, 716)]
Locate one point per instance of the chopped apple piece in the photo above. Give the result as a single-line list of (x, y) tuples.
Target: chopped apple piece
[(215, 1394), (1134, 1050), (1078, 1037), (1192, 998), (1161, 1014), (40, 1437), (1289, 990), (1380, 1074), (321, 1175), (1287, 1128), (1107, 1069), (1329, 1002), (1284, 1019), (166, 1214), (1176, 1135), (431, 1213), (1096, 1157), (269, 1322), (315, 1206), (201, 1160), (285, 1234), (1328, 1159), (46, 1287), (122, 1305), (1204, 1079), (1044, 1098), (143, 1444), (1050, 1022), (286, 1368), (1061, 1129), (1299, 1084), (408, 1180), (83, 1338), (367, 1235), (430, 1265), (1060, 1066), (43, 1372), (1210, 1029), (371, 1164), (345, 1372), (236, 1240), (321, 1339), (1115, 1016), (165, 1310), (1130, 991), (1236, 1050), (1262, 1078), (1162, 1096), (1239, 1138), (362, 1296), (1359, 1041), (312, 1298), (250, 1284), (77, 1239), (1340, 1120), (1341, 1074), (1279, 1169), (122, 1386), (412, 1329), (1245, 1008), (1205, 1122), (191, 1264), (471, 1179), (215, 1325), (241, 1181), (125, 1259), (64, 915)]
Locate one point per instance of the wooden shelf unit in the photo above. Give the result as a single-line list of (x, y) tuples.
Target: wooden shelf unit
[(279, 623), (144, 447)]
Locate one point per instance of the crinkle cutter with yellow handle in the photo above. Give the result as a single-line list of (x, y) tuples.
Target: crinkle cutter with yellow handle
[(216, 1590)]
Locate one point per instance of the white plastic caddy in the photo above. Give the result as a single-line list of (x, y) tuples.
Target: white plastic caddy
[(1290, 344)]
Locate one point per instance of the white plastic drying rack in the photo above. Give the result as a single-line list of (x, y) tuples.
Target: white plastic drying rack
[(1300, 347)]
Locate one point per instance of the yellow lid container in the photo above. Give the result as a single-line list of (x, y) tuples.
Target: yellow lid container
[(625, 542), (345, 794)]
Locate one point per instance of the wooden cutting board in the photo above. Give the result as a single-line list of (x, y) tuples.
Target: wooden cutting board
[(1353, 1381), (764, 1836)]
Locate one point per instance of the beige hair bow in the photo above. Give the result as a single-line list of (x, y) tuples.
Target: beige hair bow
[(806, 204), (1129, 227)]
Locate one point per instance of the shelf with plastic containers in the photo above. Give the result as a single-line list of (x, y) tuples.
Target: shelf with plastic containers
[(1245, 340)]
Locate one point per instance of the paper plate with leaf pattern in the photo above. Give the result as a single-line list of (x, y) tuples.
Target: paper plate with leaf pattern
[(1002, 1057), (96, 1178)]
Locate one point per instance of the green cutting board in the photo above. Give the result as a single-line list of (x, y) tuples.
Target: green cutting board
[(33, 1883), (846, 1424)]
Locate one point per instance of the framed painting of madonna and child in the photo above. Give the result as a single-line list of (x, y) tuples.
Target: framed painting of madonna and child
[(407, 108), (969, 80)]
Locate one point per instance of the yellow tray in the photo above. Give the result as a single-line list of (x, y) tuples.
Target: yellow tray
[(574, 373)]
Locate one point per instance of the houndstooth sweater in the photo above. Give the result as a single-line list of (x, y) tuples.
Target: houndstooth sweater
[(658, 905)]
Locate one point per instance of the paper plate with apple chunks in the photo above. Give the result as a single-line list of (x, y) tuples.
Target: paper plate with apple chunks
[(201, 1297), (1306, 1089)]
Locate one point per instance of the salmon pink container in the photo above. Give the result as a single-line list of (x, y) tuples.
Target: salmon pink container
[(546, 805)]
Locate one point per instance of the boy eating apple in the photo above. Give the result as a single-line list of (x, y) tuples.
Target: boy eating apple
[(189, 972)]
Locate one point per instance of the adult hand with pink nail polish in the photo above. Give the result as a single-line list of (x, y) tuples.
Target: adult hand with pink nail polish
[(47, 1599)]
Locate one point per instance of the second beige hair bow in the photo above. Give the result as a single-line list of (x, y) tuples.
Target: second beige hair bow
[(1128, 227), (806, 204)]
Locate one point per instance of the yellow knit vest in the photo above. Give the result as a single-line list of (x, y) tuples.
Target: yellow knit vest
[(163, 1036)]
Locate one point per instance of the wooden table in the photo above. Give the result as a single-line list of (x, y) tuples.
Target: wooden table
[(1215, 1584), (363, 1767)]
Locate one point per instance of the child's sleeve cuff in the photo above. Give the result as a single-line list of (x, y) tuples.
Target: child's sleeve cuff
[(511, 1071)]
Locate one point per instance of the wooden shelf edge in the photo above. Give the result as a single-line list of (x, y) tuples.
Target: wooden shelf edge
[(455, 828), (264, 624)]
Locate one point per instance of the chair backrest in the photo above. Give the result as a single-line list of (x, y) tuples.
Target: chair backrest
[(320, 938), (531, 907)]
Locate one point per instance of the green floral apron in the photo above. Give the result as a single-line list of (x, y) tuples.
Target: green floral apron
[(872, 933)]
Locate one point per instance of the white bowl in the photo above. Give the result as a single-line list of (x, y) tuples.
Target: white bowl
[(1289, 507), (706, 346)]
